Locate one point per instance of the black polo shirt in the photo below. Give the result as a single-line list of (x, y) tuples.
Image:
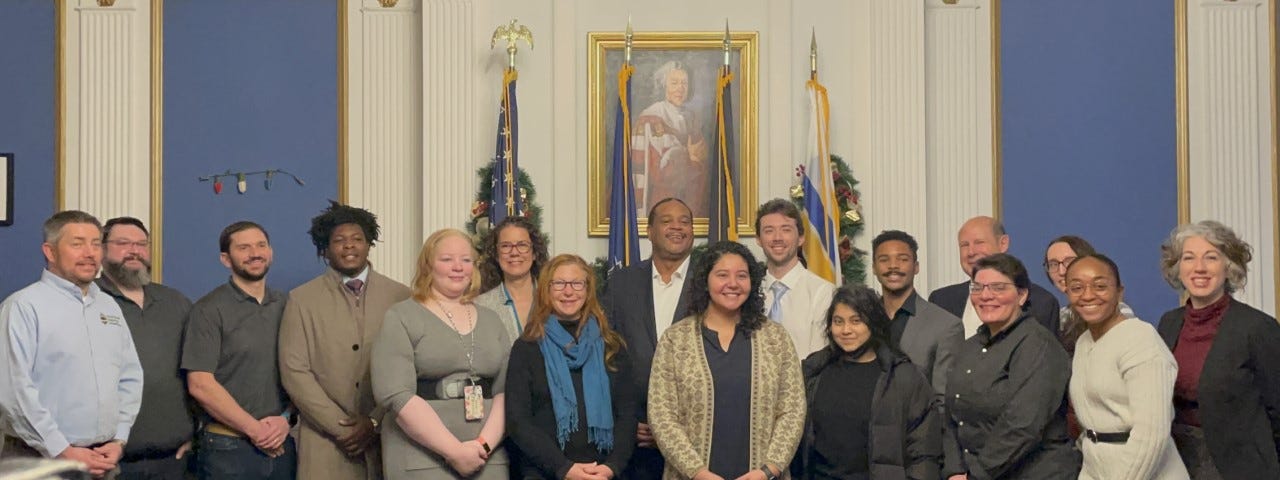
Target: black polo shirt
[(234, 337), (730, 427), (164, 420)]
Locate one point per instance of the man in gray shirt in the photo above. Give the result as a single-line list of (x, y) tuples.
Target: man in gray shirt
[(157, 315), (229, 355), (928, 334)]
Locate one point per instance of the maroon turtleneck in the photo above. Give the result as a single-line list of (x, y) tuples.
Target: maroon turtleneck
[(1199, 327)]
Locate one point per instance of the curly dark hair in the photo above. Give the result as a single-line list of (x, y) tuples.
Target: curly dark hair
[(490, 271), (753, 309), (322, 225), (870, 308)]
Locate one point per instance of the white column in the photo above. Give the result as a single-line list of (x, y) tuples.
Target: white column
[(958, 163), (451, 135), (1230, 130), (384, 127), (106, 88)]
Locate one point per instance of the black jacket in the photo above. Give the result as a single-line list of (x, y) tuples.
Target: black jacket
[(1239, 391), (905, 430), (531, 421), (1040, 303)]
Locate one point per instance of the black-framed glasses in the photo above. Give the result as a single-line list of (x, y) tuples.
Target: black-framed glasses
[(997, 288), (576, 285), (1054, 265), (519, 247), (126, 244)]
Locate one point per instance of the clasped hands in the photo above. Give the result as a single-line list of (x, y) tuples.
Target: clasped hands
[(99, 460), (269, 435)]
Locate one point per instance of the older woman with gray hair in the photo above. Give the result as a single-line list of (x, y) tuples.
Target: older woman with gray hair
[(1227, 393), (667, 139)]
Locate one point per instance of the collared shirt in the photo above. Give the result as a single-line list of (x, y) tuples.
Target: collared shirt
[(804, 307), (363, 277), (970, 320), (72, 374), (901, 317), (164, 421), (1005, 402), (666, 296), (234, 337)]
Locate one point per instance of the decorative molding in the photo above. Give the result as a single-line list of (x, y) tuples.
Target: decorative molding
[(105, 117), (380, 113), (961, 165), (157, 140), (1231, 130), (452, 111)]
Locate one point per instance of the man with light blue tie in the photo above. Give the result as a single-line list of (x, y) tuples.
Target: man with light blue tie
[(793, 296), (73, 382)]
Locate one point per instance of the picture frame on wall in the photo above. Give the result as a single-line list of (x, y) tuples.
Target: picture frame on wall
[(6, 189), (673, 121)]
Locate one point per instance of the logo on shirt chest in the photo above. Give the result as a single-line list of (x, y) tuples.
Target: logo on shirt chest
[(109, 319)]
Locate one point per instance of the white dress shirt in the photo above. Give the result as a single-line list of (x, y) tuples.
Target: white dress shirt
[(804, 307), (666, 296), (970, 319)]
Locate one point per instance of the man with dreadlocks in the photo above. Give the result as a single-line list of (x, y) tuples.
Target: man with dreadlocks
[(328, 330)]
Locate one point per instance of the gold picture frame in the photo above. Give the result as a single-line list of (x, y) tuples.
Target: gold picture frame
[(700, 55)]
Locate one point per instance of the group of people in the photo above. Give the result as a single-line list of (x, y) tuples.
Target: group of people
[(500, 361)]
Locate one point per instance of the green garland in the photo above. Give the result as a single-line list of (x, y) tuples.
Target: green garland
[(853, 265), (478, 223)]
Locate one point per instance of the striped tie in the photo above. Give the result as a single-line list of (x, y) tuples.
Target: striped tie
[(775, 312)]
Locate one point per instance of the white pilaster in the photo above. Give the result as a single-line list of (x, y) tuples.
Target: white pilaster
[(384, 127), (1230, 130), (106, 118)]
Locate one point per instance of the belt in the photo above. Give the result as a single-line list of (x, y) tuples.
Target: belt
[(451, 388), (150, 454), (220, 429), (1097, 437)]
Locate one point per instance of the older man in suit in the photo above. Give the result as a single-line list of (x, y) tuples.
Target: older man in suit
[(641, 301), (928, 334), (978, 238), (326, 335)]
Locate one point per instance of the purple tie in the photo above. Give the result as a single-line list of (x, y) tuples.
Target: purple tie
[(355, 285)]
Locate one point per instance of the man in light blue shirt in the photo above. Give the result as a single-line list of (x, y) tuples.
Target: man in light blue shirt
[(72, 380)]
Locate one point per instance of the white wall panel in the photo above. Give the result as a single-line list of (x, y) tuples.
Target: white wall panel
[(106, 109), (384, 124), (958, 133), (1230, 130)]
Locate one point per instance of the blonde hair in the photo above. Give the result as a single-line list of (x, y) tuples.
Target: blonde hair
[(536, 327), (423, 280)]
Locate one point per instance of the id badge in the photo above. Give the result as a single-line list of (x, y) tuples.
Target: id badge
[(473, 402)]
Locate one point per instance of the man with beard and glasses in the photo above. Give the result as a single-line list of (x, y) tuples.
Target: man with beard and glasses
[(928, 334), (328, 330), (231, 361), (793, 296), (641, 301), (157, 316), (72, 380)]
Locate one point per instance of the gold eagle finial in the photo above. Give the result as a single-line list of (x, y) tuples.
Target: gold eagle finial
[(512, 33)]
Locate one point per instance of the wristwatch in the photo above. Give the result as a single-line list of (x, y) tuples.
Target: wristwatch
[(768, 473)]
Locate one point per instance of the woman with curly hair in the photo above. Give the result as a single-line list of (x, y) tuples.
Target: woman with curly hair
[(726, 397), (512, 255), (1226, 396)]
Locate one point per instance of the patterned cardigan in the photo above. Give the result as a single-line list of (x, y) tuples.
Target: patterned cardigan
[(681, 399)]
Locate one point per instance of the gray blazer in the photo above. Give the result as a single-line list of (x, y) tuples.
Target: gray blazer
[(930, 339)]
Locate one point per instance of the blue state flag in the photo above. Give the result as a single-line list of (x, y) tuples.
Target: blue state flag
[(723, 224), (624, 236), (506, 168)]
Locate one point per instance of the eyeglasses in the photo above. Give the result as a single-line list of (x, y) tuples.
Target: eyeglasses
[(126, 244), (576, 285), (1054, 265), (520, 247), (1099, 288), (997, 288)]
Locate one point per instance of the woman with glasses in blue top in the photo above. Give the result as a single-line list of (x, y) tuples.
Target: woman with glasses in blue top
[(570, 408)]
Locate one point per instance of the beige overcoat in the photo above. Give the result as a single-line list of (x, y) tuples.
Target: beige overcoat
[(325, 340)]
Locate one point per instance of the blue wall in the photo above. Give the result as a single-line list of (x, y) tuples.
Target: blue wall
[(249, 85), (27, 131), (1089, 136)]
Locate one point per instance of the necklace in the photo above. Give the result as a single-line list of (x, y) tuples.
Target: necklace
[(470, 350)]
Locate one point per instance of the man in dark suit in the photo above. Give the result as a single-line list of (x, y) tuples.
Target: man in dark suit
[(641, 301), (928, 334), (979, 237)]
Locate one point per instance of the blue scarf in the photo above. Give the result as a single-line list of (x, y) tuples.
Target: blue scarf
[(561, 353)]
